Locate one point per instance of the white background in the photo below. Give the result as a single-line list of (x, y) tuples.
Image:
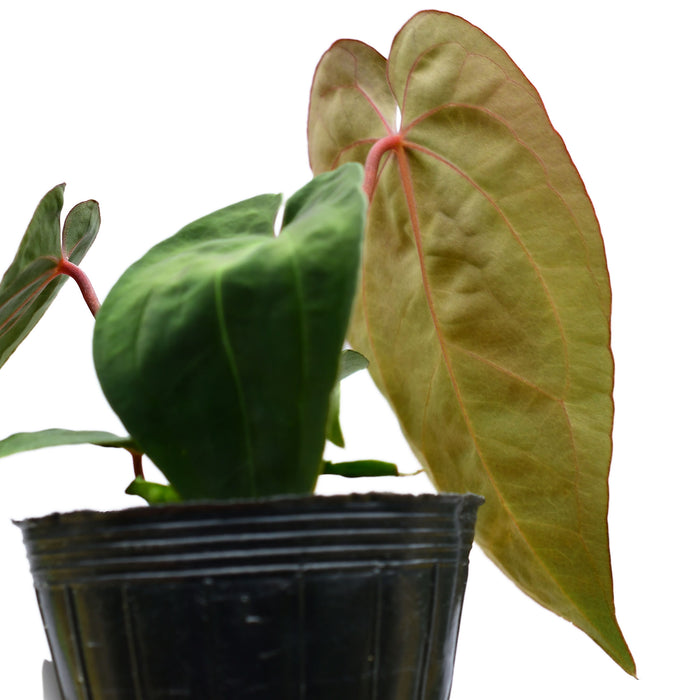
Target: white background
[(164, 112)]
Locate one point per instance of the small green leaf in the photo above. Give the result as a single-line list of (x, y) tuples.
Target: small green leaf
[(350, 362), (153, 493), (79, 230), (219, 349), (54, 437), (360, 468), (334, 432), (33, 279)]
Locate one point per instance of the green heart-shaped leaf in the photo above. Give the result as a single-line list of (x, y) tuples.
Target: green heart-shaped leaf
[(485, 303), (33, 279), (220, 347)]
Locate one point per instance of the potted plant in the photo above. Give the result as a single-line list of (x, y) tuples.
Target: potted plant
[(483, 309), (221, 350)]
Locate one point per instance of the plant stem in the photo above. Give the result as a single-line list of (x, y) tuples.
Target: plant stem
[(66, 267), (137, 459), (388, 143)]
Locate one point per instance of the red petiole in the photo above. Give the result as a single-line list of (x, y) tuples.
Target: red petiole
[(392, 142), (66, 267)]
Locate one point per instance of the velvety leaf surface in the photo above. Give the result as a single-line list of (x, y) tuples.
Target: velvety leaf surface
[(34, 278), (484, 306), (55, 437), (220, 347)]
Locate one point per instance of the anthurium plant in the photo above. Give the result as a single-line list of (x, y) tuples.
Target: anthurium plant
[(483, 309), (222, 346)]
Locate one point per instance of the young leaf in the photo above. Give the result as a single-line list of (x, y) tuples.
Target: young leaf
[(34, 277), (350, 362), (220, 347), (361, 468), (54, 437), (153, 493), (485, 302), (334, 432)]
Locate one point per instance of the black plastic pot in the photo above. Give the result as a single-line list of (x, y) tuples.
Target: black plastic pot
[(315, 598)]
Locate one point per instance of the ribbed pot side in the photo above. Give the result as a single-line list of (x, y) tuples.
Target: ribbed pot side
[(315, 598)]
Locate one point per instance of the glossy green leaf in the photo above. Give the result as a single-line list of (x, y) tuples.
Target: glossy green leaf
[(34, 277), (153, 493), (55, 437), (484, 306), (361, 468), (220, 347)]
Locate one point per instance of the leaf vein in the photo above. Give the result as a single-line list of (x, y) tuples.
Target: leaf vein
[(230, 355)]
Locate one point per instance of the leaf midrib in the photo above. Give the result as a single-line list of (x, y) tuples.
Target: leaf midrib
[(230, 356)]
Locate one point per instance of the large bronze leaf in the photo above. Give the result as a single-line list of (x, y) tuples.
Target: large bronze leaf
[(484, 306)]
